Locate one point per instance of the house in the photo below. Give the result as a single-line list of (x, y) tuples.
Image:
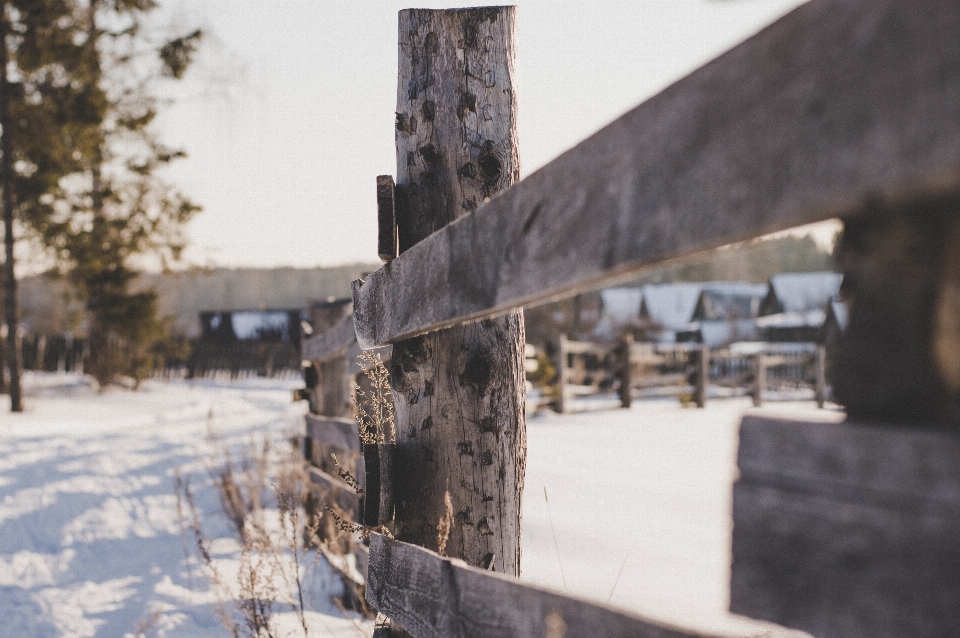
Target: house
[(250, 325), (724, 313), (797, 305), (666, 309), (800, 291), (619, 311), (729, 301)]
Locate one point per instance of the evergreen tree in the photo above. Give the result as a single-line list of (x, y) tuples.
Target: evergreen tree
[(101, 232), (78, 164), (49, 121)]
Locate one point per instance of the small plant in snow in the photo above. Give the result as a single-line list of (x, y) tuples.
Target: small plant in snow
[(263, 495)]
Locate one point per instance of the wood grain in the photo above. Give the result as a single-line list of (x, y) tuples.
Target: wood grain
[(333, 343), (837, 106), (848, 529), (436, 597), (341, 432), (459, 393)]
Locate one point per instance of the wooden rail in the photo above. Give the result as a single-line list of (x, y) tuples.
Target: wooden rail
[(771, 135), (431, 596), (332, 343)]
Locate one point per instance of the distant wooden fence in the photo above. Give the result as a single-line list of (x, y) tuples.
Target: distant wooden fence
[(685, 370), (843, 108), (53, 353), (238, 360)]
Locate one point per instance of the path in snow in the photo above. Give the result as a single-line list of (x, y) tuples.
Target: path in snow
[(90, 542)]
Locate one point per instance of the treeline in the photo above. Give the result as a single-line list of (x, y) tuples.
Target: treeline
[(49, 309), (755, 261)]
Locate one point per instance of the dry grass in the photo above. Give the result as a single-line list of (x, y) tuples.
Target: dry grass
[(262, 492), (375, 406)]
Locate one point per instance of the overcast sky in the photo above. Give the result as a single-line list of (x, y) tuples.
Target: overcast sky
[(288, 116)]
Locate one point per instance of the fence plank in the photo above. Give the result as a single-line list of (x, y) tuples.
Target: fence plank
[(386, 219), (339, 432), (838, 106), (432, 596), (332, 343), (848, 529)]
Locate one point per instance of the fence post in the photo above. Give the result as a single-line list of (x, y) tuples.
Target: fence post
[(563, 374), (626, 371), (459, 392), (759, 378), (702, 376), (820, 375)]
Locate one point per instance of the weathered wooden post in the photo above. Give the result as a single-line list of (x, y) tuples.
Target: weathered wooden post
[(820, 375), (701, 376), (563, 374), (626, 371), (759, 378), (459, 392)]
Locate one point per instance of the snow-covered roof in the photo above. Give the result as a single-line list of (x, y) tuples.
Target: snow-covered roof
[(797, 292), (621, 305), (254, 324), (808, 319), (670, 305)]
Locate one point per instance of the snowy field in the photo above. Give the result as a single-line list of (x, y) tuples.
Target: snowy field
[(90, 541), (90, 544)]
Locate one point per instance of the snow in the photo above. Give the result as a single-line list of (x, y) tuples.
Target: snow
[(90, 541), (671, 306), (649, 488), (812, 318)]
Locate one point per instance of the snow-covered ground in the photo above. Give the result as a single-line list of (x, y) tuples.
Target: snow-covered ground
[(647, 490), (90, 541), (91, 546)]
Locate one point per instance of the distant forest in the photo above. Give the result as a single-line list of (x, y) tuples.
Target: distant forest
[(46, 308), (753, 261)]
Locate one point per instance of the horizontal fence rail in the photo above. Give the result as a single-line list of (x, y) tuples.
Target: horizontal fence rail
[(771, 135), (334, 342), (436, 597)]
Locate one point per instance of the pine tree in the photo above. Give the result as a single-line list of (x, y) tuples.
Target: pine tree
[(124, 211), (49, 120), (78, 165)]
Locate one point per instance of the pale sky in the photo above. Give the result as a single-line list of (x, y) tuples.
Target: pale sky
[(288, 116)]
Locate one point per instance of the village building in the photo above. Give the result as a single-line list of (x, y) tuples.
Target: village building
[(796, 306), (725, 313)]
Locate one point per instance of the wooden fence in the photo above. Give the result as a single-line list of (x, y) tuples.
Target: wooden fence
[(843, 108), (53, 353), (685, 370)]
